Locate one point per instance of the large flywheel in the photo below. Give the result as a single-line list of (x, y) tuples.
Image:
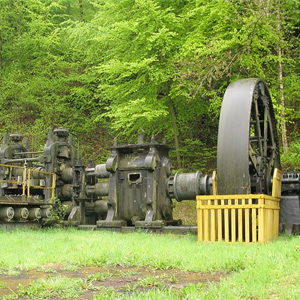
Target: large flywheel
[(248, 149)]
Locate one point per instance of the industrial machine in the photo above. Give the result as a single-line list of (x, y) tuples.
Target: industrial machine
[(30, 181), (135, 187)]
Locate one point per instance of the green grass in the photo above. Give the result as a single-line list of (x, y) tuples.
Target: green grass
[(254, 271), (62, 287), (99, 276)]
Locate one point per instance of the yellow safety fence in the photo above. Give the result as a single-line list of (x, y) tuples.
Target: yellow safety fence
[(239, 218), (26, 179)]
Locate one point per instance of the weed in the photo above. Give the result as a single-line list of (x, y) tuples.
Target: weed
[(173, 279), (10, 297), (46, 270), (107, 293), (62, 287), (59, 212), (99, 276), (191, 291), (145, 283), (2, 284), (235, 264), (14, 272), (126, 274), (71, 268)]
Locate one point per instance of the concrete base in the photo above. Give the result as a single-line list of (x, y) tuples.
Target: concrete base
[(19, 225), (185, 229)]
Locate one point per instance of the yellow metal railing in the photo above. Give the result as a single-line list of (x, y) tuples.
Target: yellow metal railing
[(23, 182), (26, 180), (29, 185), (243, 218)]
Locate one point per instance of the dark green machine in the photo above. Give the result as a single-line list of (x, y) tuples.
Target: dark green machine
[(138, 185), (29, 181)]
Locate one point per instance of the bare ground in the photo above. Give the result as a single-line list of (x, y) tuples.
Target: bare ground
[(119, 278)]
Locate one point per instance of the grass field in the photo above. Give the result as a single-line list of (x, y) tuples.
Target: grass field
[(70, 264)]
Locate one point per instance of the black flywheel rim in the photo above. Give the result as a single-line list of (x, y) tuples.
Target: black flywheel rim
[(248, 150)]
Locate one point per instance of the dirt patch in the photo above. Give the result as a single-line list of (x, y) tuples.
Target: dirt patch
[(120, 279)]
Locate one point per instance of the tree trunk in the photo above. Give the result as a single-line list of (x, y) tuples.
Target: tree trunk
[(281, 86), (282, 102), (81, 10), (175, 130), (1, 53)]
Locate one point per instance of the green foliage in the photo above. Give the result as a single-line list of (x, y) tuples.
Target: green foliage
[(58, 213), (291, 160), (104, 67)]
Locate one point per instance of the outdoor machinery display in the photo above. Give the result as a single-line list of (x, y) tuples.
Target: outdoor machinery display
[(135, 187)]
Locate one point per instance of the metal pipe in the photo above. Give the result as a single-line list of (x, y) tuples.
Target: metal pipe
[(99, 171), (31, 152), (24, 160)]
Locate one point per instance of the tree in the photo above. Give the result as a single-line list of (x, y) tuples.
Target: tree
[(138, 41), (105, 67)]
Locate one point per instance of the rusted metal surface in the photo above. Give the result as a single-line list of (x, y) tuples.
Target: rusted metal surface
[(248, 149)]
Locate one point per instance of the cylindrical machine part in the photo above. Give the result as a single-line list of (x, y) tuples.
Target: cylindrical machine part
[(99, 171), (35, 182), (18, 172), (100, 189), (67, 175), (21, 213), (47, 212), (35, 213), (38, 175), (7, 213), (186, 186), (100, 207), (67, 191)]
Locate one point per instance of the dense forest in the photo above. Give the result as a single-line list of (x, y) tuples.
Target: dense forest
[(106, 68)]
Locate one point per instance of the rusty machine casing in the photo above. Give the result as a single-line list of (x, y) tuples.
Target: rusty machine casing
[(137, 185)]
